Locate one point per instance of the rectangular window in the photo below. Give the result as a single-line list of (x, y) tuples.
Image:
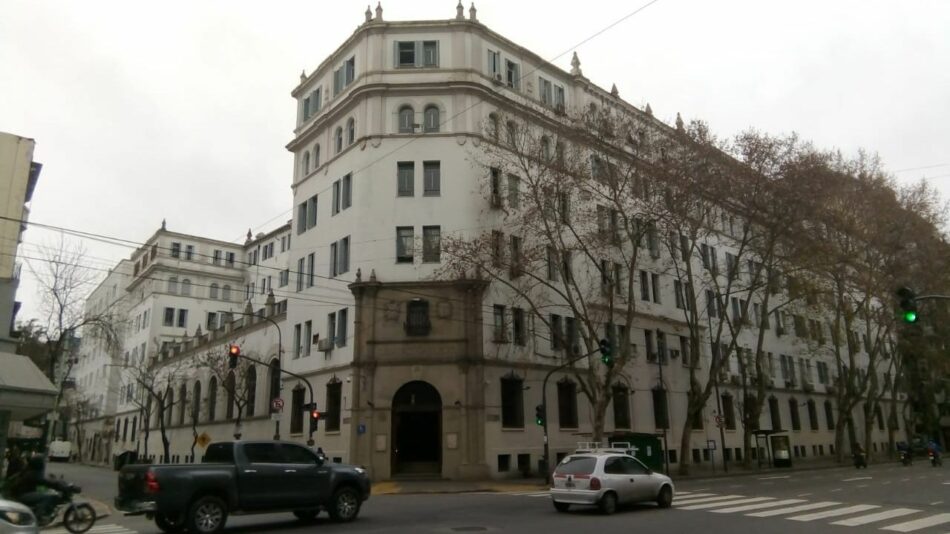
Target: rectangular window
[(678, 293), (417, 318), (431, 178), (311, 261), (333, 404), (189, 252), (404, 240), (301, 217), (311, 212), (430, 53), (212, 322), (512, 403), (417, 54), (346, 199), (515, 260), (183, 318), (333, 259), (335, 203), (621, 401), (545, 91), (518, 326), (514, 191), (567, 404), (405, 178), (341, 328), (331, 328), (169, 319), (499, 330), (512, 74), (406, 54), (343, 256), (216, 257), (556, 332), (230, 259), (307, 339), (176, 250), (559, 97), (728, 412), (552, 263), (431, 243), (793, 411), (644, 286), (300, 274), (497, 252), (494, 63)]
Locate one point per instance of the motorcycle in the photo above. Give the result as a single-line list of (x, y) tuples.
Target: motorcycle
[(860, 460), (77, 518), (905, 458)]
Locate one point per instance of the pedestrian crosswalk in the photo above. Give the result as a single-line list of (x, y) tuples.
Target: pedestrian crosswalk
[(96, 529), (836, 513)]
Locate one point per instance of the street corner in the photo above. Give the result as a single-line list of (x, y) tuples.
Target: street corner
[(386, 487)]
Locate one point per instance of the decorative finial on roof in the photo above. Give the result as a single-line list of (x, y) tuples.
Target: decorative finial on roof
[(359, 274), (614, 92), (198, 331), (250, 236), (460, 11), (369, 14), (303, 75), (472, 12), (576, 66), (163, 224), (679, 122), (372, 275), (648, 110), (379, 12)]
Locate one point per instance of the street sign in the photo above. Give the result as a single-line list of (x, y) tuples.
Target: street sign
[(719, 420), (361, 428), (711, 444), (275, 416), (203, 440), (277, 404)]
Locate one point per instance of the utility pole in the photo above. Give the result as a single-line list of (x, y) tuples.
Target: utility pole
[(666, 406)]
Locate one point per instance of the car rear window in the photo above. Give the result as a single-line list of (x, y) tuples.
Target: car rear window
[(219, 453), (577, 465)]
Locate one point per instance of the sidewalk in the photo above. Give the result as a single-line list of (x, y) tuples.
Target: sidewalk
[(698, 472)]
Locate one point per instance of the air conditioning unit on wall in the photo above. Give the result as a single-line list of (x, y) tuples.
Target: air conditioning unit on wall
[(325, 345)]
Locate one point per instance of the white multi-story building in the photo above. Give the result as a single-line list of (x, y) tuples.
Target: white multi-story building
[(412, 370)]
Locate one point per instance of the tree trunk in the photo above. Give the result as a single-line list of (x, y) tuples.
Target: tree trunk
[(597, 425), (839, 440)]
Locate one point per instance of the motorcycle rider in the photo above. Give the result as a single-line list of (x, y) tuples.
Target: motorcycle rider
[(903, 451), (933, 448), (24, 487)]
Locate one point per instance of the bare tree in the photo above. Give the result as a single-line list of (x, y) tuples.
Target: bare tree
[(239, 383)]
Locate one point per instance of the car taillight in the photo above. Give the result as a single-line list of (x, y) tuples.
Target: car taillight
[(151, 483), (594, 483)]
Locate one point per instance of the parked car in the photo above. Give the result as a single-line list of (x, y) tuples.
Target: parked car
[(242, 477), (16, 518), (60, 450), (607, 480)]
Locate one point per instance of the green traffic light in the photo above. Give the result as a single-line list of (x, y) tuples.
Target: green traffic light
[(910, 316), (539, 422)]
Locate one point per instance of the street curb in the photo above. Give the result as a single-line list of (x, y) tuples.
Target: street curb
[(766, 472)]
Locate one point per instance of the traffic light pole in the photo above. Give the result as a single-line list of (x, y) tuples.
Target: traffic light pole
[(544, 410)]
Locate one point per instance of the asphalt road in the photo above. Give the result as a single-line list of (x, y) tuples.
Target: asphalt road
[(883, 498)]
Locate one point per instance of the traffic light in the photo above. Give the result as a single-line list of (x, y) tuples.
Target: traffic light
[(908, 303), (314, 418), (234, 352), (539, 415), (606, 352)]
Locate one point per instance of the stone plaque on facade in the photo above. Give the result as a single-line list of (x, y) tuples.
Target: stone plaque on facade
[(380, 442), (443, 309), (451, 441)]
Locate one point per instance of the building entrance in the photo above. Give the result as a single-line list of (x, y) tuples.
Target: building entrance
[(417, 430)]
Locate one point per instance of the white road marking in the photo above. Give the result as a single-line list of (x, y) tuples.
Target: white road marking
[(97, 529), (862, 485), (803, 495), (885, 483), (834, 513), (936, 503), (836, 489), (793, 509), (774, 478), (905, 480), (925, 522), (872, 518), (759, 506), (686, 496), (545, 494), (856, 478), (685, 502), (707, 505)]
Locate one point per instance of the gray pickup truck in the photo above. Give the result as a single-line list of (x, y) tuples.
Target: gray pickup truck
[(241, 477)]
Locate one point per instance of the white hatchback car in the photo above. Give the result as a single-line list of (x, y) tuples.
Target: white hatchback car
[(607, 480)]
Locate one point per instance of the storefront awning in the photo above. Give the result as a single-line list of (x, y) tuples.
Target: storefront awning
[(24, 390)]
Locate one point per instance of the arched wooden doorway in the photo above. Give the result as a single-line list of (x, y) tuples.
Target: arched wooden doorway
[(417, 429)]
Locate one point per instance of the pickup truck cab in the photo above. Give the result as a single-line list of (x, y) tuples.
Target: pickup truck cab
[(242, 477)]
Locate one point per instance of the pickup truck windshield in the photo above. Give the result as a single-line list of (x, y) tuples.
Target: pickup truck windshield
[(219, 453)]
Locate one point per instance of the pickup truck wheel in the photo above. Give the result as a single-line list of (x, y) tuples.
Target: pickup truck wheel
[(306, 515), (207, 515), (345, 505), (171, 525)]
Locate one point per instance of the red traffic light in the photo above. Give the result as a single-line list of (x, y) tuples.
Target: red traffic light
[(234, 350), (315, 414)]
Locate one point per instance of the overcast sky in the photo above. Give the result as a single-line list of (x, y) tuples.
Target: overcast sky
[(181, 110)]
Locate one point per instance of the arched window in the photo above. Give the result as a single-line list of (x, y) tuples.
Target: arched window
[(274, 379), (431, 119), (493, 126), (125, 430), (213, 292), (196, 402), (135, 424), (182, 398), (511, 129), (229, 391), (251, 392), (226, 292), (167, 407), (316, 155), (339, 139), (406, 119), (186, 287), (173, 284), (350, 131), (306, 162), (212, 397), (546, 153)]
